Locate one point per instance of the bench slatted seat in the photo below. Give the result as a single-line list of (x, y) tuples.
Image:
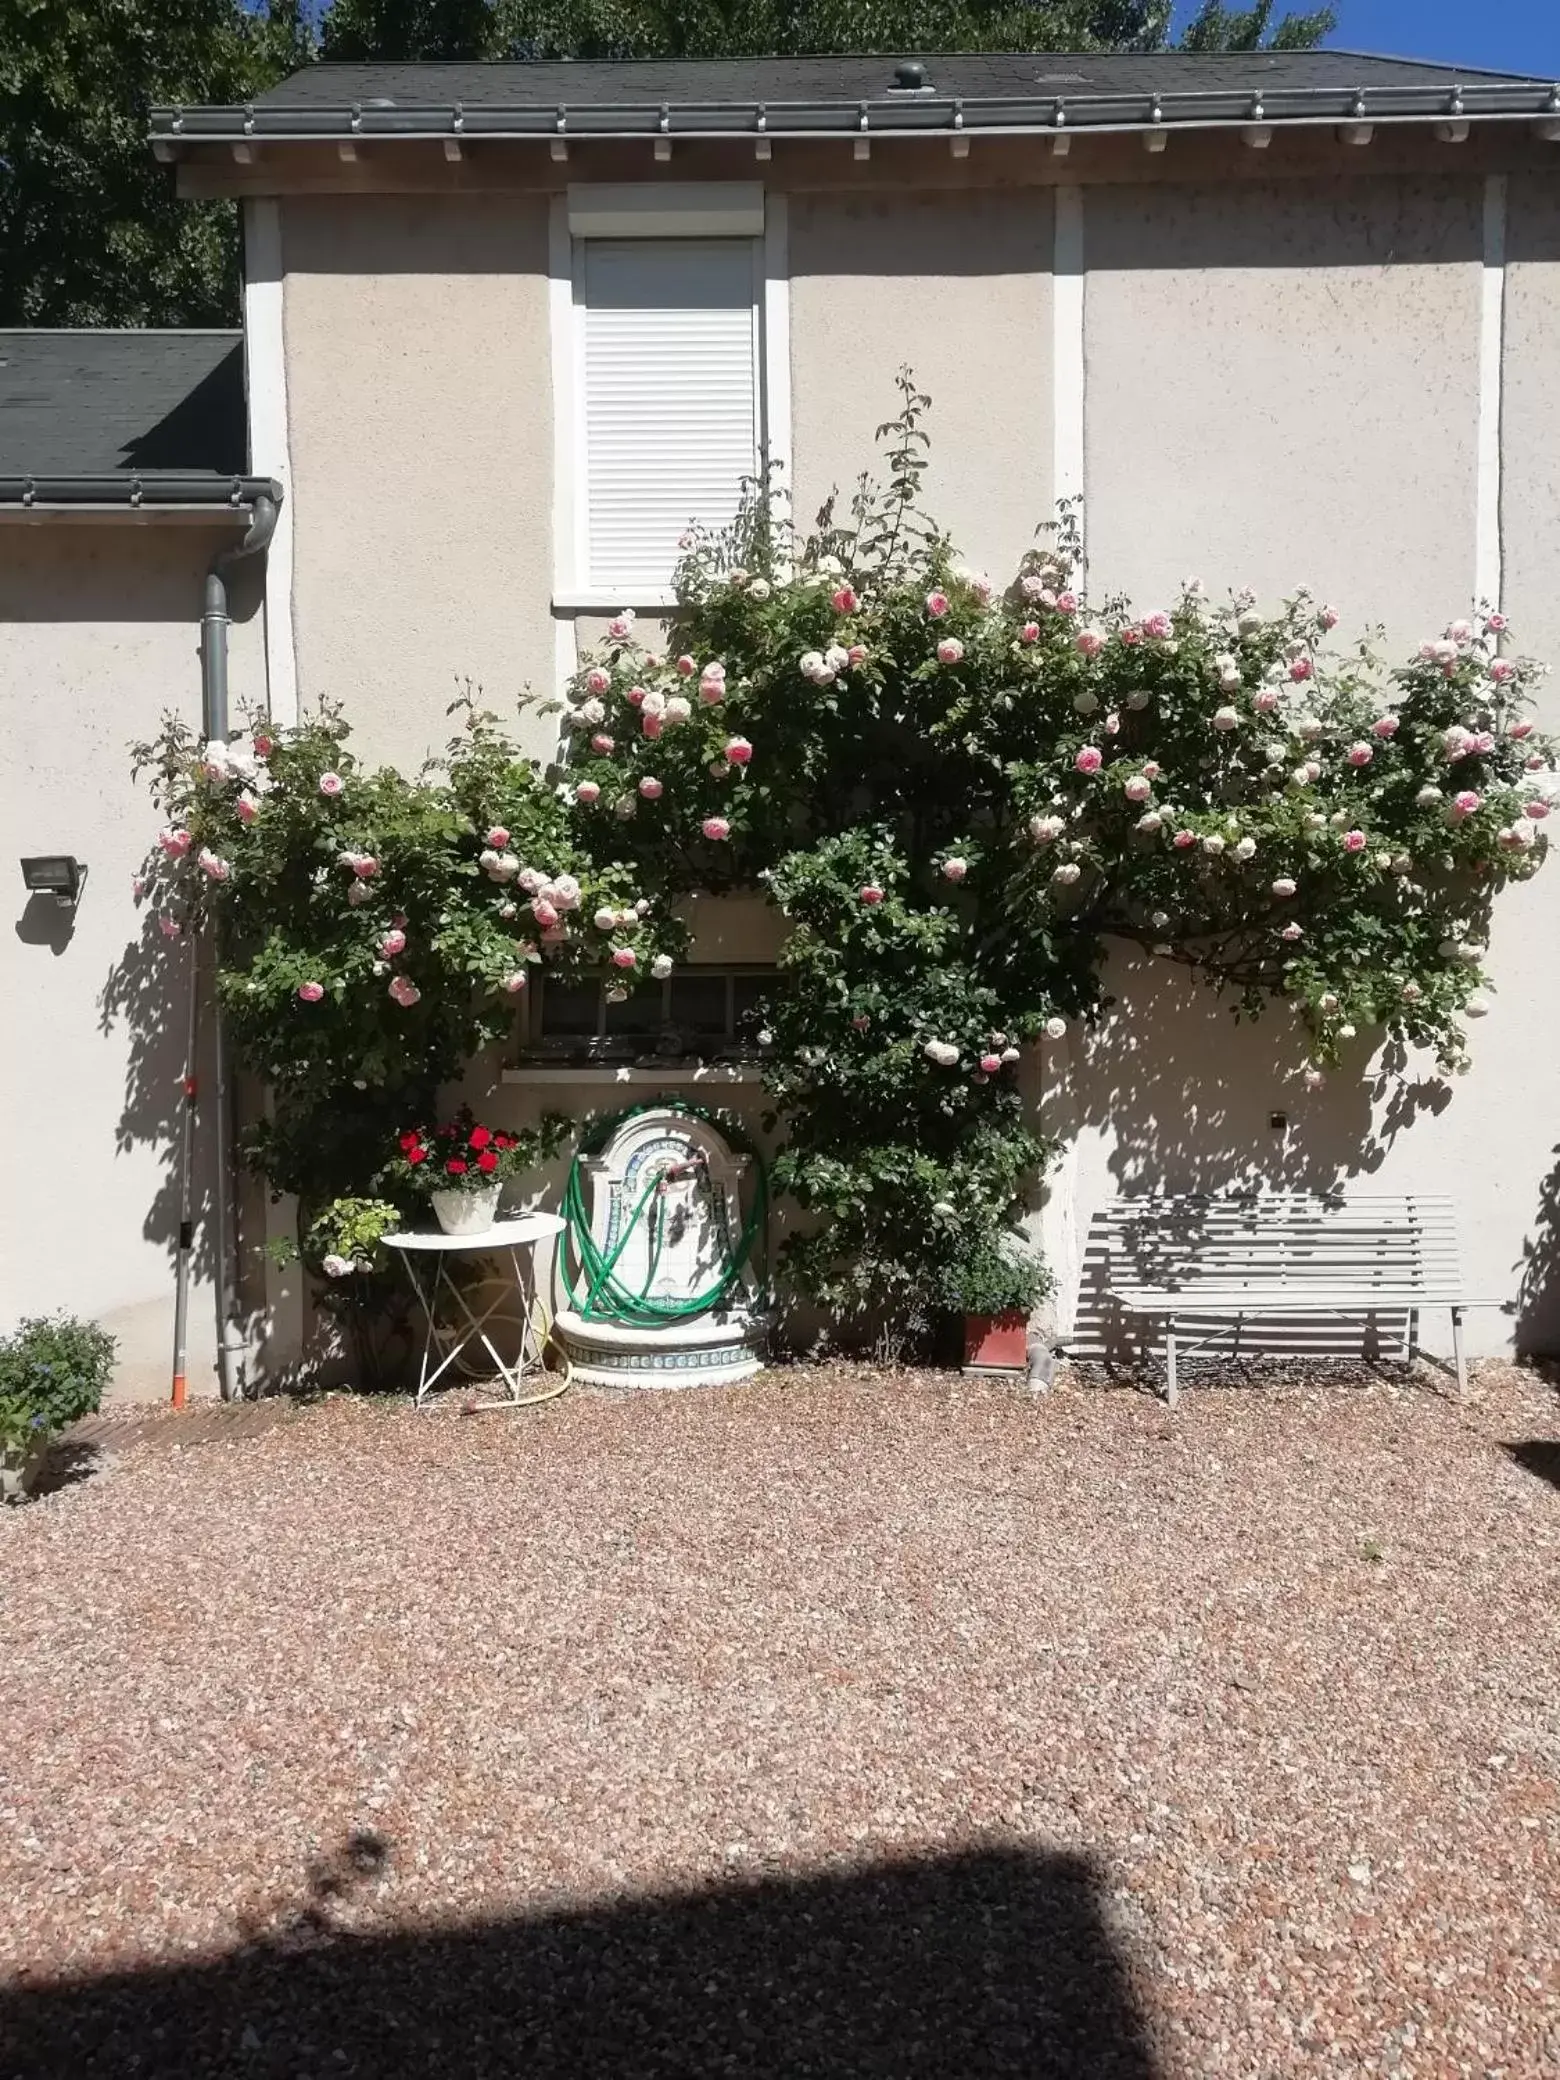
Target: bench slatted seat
[(1188, 1258)]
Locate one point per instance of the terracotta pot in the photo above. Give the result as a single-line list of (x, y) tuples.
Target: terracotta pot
[(997, 1342), (466, 1213)]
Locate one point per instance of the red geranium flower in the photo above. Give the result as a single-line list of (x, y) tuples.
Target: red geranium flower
[(487, 1160), (480, 1137), (409, 1141), (417, 1155), (504, 1141), (456, 1167)]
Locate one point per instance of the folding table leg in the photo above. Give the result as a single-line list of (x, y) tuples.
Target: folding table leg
[(1172, 1389), (1457, 1352)]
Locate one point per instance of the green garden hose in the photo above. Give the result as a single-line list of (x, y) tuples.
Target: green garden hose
[(606, 1297)]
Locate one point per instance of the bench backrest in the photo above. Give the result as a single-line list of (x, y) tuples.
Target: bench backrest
[(1298, 1240)]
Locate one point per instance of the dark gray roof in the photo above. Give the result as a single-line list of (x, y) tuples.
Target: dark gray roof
[(820, 95), (133, 418)]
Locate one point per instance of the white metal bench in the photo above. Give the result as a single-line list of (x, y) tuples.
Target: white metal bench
[(1279, 1254)]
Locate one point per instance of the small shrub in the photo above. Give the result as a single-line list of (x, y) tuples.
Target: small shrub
[(993, 1276), (53, 1369)]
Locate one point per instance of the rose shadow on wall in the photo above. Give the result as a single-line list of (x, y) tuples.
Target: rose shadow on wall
[(1181, 1097), (966, 1966)]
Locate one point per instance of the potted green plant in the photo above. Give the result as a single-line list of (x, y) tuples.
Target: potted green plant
[(52, 1371), (993, 1283)]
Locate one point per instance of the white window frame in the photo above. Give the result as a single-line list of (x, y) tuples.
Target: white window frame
[(653, 209)]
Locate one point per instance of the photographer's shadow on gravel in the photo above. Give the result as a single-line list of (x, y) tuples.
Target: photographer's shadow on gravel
[(966, 1966)]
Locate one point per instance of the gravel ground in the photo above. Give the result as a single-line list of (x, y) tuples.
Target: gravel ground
[(848, 1723)]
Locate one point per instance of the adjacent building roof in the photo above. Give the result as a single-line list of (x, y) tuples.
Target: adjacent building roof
[(830, 96), (123, 419)]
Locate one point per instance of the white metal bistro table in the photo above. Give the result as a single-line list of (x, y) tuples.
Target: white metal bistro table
[(452, 1324)]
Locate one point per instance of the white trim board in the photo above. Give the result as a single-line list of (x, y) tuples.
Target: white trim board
[(775, 355), (1067, 348), (666, 209), (265, 385), (1489, 560)]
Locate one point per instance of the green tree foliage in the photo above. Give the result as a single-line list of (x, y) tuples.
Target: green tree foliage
[(413, 29), (91, 229)]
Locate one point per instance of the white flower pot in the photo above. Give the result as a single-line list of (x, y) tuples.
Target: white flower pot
[(467, 1213)]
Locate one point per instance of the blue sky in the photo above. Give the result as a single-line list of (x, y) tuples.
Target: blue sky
[(1522, 35)]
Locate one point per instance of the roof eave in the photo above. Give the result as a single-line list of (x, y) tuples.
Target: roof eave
[(908, 115), (132, 493)]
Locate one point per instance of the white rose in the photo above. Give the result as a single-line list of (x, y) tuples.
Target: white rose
[(1085, 703), (1246, 848), (661, 966), (1068, 873), (759, 590), (1226, 718), (1056, 1029)]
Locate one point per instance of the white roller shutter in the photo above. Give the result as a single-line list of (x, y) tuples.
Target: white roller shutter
[(670, 398)]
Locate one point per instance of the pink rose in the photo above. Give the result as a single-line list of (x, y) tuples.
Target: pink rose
[(1151, 769), (620, 628), (1481, 742), (603, 743), (955, 869), (624, 957), (949, 650), (264, 745), (715, 828), (686, 666), (1535, 763), (1090, 641), (171, 928), (404, 991), (1159, 626), (331, 784), (174, 842), (1467, 802), (587, 792), (1301, 669), (1030, 632), (711, 691), (937, 604), (1132, 637), (635, 696), (1138, 789), (365, 866), (1536, 810), (651, 727), (596, 680), (1385, 726), (1495, 623), (738, 751), (1360, 754), (545, 913), (515, 981), (871, 894), (843, 600), (392, 943), (1354, 841), (498, 837), (1067, 603), (1183, 841), (990, 1064), (1502, 670), (247, 807), (1292, 932), (1089, 759), (1266, 701), (856, 653), (651, 788), (1328, 617), (1519, 729), (311, 992)]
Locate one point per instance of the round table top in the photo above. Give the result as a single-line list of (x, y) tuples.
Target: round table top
[(514, 1233)]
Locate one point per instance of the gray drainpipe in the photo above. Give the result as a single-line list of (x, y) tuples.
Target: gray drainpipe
[(214, 718)]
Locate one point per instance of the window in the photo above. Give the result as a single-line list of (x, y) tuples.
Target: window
[(667, 299), (697, 1011)]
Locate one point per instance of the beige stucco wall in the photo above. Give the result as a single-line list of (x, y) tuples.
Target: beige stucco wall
[(1282, 389), (420, 430), (1282, 386), (101, 635), (957, 286)]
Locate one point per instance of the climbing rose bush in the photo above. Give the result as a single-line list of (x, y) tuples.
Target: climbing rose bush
[(374, 932), (962, 791)]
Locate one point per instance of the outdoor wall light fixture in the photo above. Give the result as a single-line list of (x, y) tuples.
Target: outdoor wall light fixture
[(55, 874)]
